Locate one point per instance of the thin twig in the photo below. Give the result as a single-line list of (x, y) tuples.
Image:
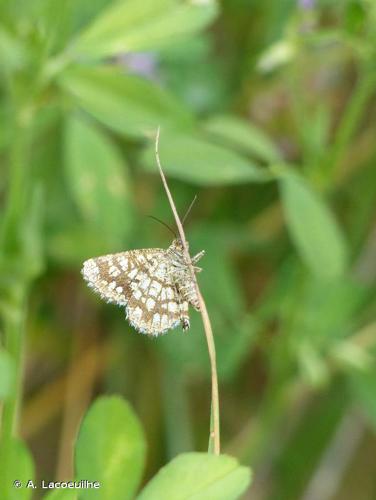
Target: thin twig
[(214, 426)]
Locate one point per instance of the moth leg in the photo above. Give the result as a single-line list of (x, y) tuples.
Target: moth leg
[(184, 316), (183, 310), (197, 257)]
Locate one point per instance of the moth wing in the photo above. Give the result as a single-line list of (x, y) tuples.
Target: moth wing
[(140, 281)]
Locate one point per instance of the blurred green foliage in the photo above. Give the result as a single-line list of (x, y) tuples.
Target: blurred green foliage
[(267, 113)]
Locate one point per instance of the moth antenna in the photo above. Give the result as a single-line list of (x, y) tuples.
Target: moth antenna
[(163, 224), (189, 209)]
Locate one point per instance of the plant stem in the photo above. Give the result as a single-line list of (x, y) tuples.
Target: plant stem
[(214, 437), (14, 280)]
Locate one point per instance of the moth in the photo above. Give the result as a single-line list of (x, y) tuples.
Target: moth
[(154, 285)]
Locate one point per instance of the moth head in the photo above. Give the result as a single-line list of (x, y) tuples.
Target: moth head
[(177, 245)]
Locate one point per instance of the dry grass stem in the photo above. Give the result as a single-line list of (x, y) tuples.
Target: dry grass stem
[(214, 426)]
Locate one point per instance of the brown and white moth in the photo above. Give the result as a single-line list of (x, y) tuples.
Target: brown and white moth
[(154, 285)]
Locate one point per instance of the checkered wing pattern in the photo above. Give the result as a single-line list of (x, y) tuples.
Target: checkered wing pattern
[(139, 280)]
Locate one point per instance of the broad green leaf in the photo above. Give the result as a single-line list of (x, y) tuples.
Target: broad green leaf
[(7, 374), (110, 449), (98, 178), (198, 476), (57, 21), (196, 160), (18, 466), (138, 26), (312, 227), (125, 103), (81, 13), (59, 494), (242, 134)]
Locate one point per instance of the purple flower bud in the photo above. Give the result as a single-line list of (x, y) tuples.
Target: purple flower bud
[(306, 4), (140, 63)]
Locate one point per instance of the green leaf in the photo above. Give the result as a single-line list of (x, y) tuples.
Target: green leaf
[(7, 374), (198, 161), (243, 135), (312, 227), (198, 476), (97, 178), (110, 449), (125, 103), (138, 26), (18, 466)]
